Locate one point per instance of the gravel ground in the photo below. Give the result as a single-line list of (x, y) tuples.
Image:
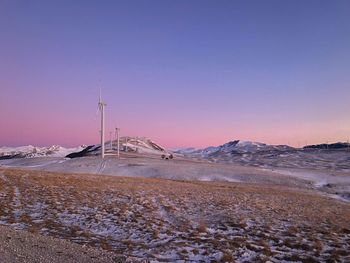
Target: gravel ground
[(17, 246)]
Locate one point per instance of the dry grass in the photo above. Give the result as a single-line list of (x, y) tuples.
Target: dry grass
[(202, 228), (162, 219)]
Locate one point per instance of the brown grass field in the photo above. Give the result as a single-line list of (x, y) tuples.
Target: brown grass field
[(166, 220)]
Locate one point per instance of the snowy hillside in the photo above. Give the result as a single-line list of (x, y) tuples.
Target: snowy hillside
[(236, 146), (32, 151), (128, 144), (263, 155), (140, 145)]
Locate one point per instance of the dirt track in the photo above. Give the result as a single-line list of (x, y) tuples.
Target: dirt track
[(23, 247)]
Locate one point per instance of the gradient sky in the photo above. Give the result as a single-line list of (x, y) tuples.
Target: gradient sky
[(184, 73)]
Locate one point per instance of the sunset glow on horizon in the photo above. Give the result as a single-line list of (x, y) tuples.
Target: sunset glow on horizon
[(183, 73)]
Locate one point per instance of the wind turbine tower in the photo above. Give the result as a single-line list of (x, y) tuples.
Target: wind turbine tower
[(111, 140), (117, 135), (101, 106)]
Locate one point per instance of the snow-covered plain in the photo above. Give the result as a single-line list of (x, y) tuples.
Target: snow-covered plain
[(137, 165), (334, 182)]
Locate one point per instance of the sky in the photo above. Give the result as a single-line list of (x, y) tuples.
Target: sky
[(189, 73)]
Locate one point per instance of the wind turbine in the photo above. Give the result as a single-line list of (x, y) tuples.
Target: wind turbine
[(117, 135), (111, 140), (101, 106)]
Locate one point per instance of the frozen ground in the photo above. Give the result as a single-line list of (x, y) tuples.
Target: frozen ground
[(185, 221), (333, 182)]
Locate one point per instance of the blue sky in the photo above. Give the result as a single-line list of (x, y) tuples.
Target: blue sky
[(185, 73)]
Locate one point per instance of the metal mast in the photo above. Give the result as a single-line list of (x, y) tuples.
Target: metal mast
[(101, 106), (111, 140), (117, 135)]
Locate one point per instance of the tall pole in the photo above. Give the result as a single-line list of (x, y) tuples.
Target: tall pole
[(102, 130), (101, 106), (111, 140), (117, 132)]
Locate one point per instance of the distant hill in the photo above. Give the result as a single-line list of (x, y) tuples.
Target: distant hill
[(33, 151), (338, 145), (141, 145), (263, 155), (232, 147)]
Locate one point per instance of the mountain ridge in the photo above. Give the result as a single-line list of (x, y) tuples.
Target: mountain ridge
[(238, 146)]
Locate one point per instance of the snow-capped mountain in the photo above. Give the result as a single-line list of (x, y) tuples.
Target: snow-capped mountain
[(129, 144), (140, 145), (33, 151), (232, 147), (257, 154)]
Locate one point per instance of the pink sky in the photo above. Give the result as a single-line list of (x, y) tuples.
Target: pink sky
[(185, 74)]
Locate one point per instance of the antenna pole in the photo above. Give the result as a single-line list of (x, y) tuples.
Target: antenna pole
[(117, 133), (101, 106), (111, 139), (102, 130)]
